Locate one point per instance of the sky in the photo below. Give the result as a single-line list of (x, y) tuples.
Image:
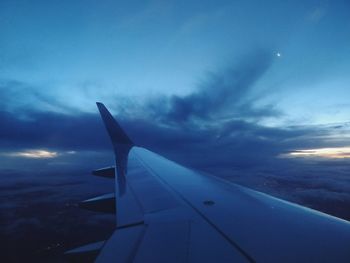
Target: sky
[(255, 92)]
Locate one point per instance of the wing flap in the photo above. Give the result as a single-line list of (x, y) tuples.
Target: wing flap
[(86, 253), (104, 203), (108, 172), (122, 245)]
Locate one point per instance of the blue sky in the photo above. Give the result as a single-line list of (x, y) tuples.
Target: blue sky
[(246, 90), (86, 51)]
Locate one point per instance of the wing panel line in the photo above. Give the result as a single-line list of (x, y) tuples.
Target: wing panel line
[(227, 238)]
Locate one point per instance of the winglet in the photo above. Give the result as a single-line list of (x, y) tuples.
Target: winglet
[(117, 134), (121, 144)]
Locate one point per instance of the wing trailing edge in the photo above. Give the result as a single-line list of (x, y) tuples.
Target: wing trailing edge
[(86, 253), (104, 203)]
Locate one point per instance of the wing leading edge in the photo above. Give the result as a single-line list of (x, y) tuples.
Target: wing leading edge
[(168, 213)]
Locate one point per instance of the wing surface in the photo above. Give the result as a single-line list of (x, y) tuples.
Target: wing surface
[(264, 228), (168, 213)]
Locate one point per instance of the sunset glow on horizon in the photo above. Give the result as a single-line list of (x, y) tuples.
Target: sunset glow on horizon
[(330, 153), (35, 154)]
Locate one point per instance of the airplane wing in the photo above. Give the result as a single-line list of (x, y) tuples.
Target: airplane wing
[(168, 213)]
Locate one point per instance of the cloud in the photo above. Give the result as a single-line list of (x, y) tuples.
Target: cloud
[(226, 93), (319, 12), (19, 96), (50, 129), (220, 117), (201, 114)]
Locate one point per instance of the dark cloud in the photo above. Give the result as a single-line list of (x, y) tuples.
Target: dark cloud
[(215, 127), (49, 129), (222, 94), (232, 142), (219, 117)]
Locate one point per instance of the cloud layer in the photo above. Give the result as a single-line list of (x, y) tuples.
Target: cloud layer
[(216, 128)]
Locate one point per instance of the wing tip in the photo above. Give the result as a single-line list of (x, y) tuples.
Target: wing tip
[(100, 106), (116, 132)]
